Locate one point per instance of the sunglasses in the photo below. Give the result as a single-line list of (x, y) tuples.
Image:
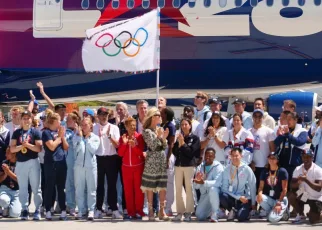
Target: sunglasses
[(199, 97), (157, 115)]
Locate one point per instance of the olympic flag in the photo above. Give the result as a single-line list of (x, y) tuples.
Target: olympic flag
[(130, 45)]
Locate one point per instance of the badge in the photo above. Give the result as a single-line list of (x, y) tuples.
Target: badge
[(286, 145), (304, 197), (12, 185), (271, 193), (24, 150), (230, 189)]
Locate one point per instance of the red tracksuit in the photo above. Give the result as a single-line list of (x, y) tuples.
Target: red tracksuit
[(132, 170)]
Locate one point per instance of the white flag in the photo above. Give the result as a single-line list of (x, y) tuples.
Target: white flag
[(130, 45)]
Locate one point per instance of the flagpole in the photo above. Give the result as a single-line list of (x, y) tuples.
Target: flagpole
[(158, 59)]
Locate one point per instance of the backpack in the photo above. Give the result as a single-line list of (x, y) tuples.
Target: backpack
[(205, 115)]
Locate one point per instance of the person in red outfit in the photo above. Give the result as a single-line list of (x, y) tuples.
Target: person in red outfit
[(131, 146)]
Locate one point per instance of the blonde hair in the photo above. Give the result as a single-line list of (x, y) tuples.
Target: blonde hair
[(75, 117), (19, 108), (51, 116), (204, 95), (89, 120), (148, 118)]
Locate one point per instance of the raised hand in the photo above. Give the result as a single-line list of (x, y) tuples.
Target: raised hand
[(159, 132), (61, 131), (40, 86), (165, 133), (32, 96)]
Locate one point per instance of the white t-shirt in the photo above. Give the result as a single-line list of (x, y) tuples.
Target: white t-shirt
[(197, 128), (106, 147), (262, 137), (140, 126), (313, 174), (220, 152), (12, 127)]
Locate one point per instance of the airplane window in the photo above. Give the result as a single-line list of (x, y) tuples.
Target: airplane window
[(269, 2), (207, 3), (85, 4), (145, 4), (130, 4), (222, 3), (176, 3), (301, 2), (191, 3), (115, 4), (238, 3), (99, 4), (253, 3), (317, 2), (161, 3), (285, 2)]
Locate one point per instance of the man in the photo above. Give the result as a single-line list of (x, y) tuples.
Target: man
[(268, 121), (215, 106), (61, 110), (107, 162), (307, 178), (142, 110), (240, 105), (162, 103), (289, 105), (202, 112), (14, 124), (315, 123)]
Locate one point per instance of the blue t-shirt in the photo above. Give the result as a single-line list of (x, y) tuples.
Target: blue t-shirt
[(32, 135), (281, 175), (172, 129), (58, 154)]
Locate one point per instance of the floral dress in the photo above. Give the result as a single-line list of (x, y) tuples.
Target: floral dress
[(154, 176)]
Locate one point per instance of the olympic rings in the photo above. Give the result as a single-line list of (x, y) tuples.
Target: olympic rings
[(113, 55), (123, 32), (106, 44), (146, 37), (129, 40)]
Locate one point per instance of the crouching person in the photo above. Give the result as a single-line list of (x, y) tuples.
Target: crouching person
[(85, 170), (208, 180), (272, 191), (238, 188), (9, 189)]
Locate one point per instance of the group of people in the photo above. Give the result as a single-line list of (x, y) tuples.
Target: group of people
[(237, 168)]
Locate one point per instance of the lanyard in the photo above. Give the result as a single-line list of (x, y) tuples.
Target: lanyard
[(22, 135), (232, 175), (272, 178)]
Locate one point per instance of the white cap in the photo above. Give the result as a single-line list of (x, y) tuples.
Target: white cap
[(318, 108)]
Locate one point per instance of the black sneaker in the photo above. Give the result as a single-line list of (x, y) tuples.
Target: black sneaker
[(24, 215)]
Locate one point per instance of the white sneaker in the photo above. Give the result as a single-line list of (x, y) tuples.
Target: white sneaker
[(262, 213), (222, 214), (299, 219), (90, 215), (109, 212), (72, 212), (63, 215), (5, 212), (52, 210), (231, 215), (214, 218), (125, 212), (48, 216), (116, 215), (98, 214), (177, 217)]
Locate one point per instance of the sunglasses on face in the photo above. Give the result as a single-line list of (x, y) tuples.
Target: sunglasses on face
[(157, 115), (199, 97)]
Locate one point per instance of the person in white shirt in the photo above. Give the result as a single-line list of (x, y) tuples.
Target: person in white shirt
[(263, 143), (282, 121), (215, 106), (240, 105), (202, 112), (307, 178), (197, 128), (317, 143), (12, 126), (107, 162), (268, 120)]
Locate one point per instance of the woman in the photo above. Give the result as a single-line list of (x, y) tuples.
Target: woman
[(131, 147), (85, 145), (55, 167), (73, 120), (213, 136), (272, 190), (186, 150), (9, 189), (239, 137), (4, 138), (154, 178), (317, 142)]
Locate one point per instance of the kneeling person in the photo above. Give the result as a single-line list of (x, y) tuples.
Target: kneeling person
[(208, 181)]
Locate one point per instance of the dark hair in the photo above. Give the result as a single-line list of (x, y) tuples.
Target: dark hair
[(237, 149), (169, 113), (190, 108), (294, 115), (187, 120), (209, 149), (260, 99), (286, 112), (222, 123)]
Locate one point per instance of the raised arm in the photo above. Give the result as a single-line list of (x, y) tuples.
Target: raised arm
[(45, 96)]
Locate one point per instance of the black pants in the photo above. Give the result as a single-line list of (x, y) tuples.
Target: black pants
[(258, 172), (43, 186), (123, 194), (55, 177), (229, 203), (109, 166)]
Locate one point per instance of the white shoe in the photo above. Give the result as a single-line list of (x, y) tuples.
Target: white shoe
[(125, 212), (116, 215), (90, 215), (231, 215), (98, 214), (48, 216), (299, 219), (214, 218), (177, 217), (262, 213), (222, 214), (63, 215), (109, 212), (72, 212)]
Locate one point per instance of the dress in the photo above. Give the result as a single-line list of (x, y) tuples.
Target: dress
[(154, 176)]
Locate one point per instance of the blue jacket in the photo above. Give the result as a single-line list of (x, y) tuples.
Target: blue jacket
[(213, 177), (244, 182), (84, 150), (70, 155)]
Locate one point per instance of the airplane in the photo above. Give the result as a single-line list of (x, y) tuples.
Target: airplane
[(229, 48)]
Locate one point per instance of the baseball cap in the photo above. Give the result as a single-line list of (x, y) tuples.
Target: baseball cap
[(35, 102), (318, 108), (102, 110), (308, 152), (26, 112), (89, 112), (258, 111), (60, 106), (273, 154), (238, 101), (214, 100)]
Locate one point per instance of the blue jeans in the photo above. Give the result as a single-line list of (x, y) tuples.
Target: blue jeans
[(10, 199), (268, 204), (70, 183), (29, 171), (208, 203), (242, 210), (85, 178)]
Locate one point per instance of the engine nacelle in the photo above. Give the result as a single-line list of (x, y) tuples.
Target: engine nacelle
[(305, 102)]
